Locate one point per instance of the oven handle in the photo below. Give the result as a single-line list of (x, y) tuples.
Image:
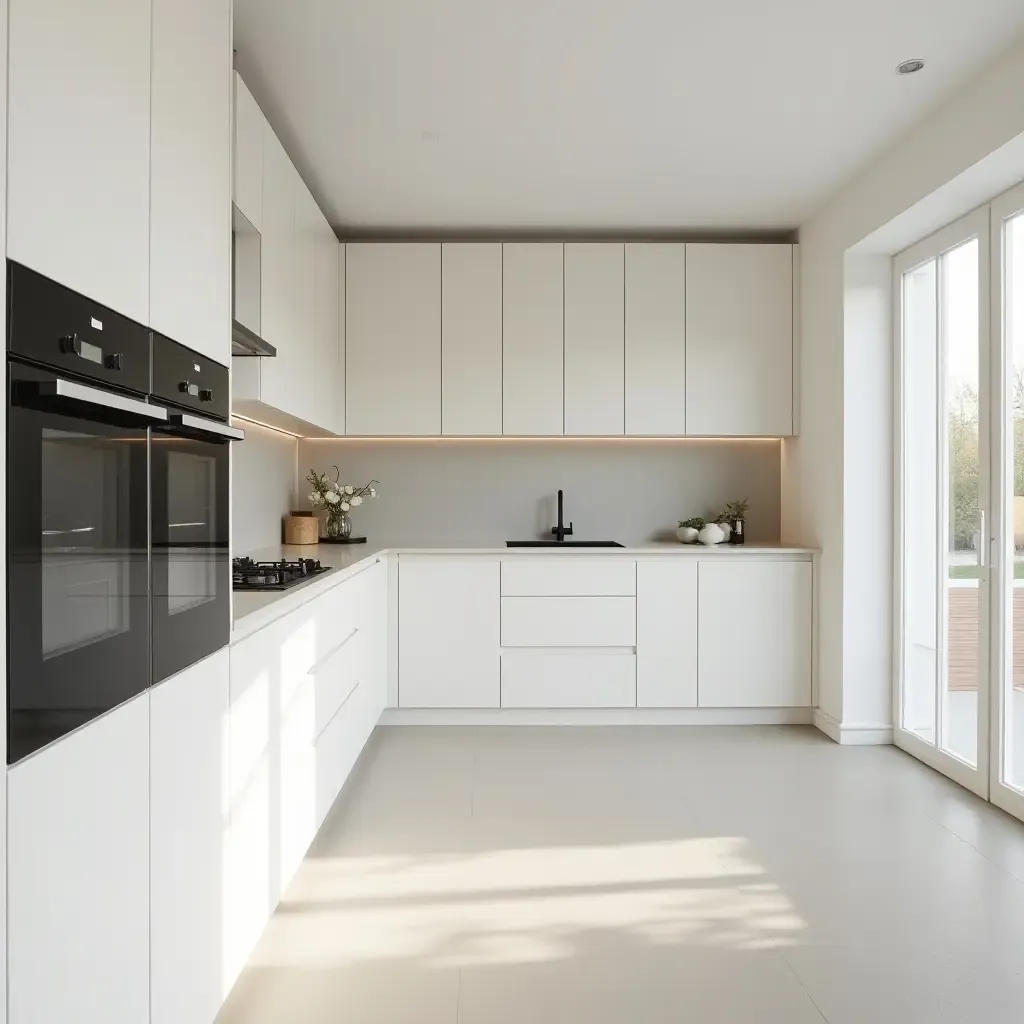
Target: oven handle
[(73, 391), (214, 430)]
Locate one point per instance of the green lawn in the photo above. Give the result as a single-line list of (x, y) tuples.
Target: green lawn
[(970, 572)]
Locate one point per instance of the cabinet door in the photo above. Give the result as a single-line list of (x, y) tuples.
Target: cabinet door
[(188, 826), (78, 156), (393, 338), (739, 339), (248, 157), (754, 634), (277, 254), (190, 208), (449, 642), (594, 353), (328, 379), (78, 875), (532, 352), (303, 393), (656, 338), (471, 338), (666, 633)]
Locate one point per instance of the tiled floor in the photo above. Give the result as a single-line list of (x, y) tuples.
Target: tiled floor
[(583, 876)]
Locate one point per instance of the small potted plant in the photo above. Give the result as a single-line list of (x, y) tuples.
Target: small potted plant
[(688, 529), (337, 500), (736, 515)]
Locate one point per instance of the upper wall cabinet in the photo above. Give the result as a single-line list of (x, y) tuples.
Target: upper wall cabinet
[(655, 339), (190, 208), (79, 146), (471, 338), (248, 163), (532, 358), (393, 338), (739, 339), (594, 353), (329, 343)]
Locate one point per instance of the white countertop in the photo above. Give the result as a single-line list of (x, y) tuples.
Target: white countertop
[(253, 611)]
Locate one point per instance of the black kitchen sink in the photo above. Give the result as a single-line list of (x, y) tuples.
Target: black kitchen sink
[(563, 544)]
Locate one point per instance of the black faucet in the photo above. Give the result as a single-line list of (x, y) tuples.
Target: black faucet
[(560, 532)]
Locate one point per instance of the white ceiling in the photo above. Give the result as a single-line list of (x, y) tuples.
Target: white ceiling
[(655, 115)]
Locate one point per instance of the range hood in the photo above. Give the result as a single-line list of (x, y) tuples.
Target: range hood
[(248, 343)]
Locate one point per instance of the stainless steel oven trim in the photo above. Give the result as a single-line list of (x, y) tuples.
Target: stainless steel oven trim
[(73, 391), (222, 430)]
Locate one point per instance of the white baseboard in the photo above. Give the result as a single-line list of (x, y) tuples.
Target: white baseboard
[(858, 734), (597, 716)]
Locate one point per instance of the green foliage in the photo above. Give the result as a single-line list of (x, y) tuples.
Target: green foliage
[(695, 523)]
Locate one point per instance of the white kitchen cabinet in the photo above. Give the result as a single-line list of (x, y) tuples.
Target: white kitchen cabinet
[(594, 346), (190, 205), (393, 338), (78, 874), (568, 576), (568, 622), (302, 400), (754, 633), (328, 366), (739, 339), (248, 154), (532, 356), (655, 288), (78, 185), (545, 679), (277, 256), (666, 633), (449, 632), (188, 826), (471, 338)]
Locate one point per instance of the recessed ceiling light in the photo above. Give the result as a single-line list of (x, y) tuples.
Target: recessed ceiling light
[(908, 67)]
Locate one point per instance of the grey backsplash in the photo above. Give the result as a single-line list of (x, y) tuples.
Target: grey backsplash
[(262, 487), (485, 492)]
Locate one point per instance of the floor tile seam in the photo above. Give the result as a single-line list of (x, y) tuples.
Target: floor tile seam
[(980, 853), (799, 981)]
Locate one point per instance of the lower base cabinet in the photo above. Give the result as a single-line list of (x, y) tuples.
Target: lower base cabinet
[(754, 637), (78, 875), (533, 679), (188, 825)]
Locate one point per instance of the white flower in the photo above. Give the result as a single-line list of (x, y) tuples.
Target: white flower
[(314, 498), (345, 506), (332, 498), (356, 501), (373, 492), (349, 489)]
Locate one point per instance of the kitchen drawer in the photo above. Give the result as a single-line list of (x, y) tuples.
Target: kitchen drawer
[(541, 680), (568, 576), (568, 621), (338, 674)]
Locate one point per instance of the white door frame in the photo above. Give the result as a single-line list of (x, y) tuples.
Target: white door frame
[(1006, 206), (974, 224)]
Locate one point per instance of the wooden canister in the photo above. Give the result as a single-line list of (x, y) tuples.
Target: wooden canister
[(301, 528)]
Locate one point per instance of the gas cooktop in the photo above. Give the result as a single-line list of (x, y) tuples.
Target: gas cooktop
[(249, 575)]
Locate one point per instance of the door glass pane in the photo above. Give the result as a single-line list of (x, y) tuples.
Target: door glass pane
[(920, 493), (1013, 706), (959, 318), (192, 560)]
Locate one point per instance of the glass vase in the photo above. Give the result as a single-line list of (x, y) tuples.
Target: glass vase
[(339, 527)]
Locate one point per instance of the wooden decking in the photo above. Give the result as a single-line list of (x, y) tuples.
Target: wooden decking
[(963, 638)]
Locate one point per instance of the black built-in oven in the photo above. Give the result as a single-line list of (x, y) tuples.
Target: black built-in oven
[(118, 569), (190, 521), (78, 423)]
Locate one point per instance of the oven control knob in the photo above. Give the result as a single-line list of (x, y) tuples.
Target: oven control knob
[(113, 361), (206, 394), (188, 389)]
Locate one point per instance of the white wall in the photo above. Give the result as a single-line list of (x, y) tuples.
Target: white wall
[(838, 473), (262, 487), (486, 492)]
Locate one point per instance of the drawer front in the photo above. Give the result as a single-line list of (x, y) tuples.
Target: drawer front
[(534, 680), (337, 676), (568, 576), (568, 621)]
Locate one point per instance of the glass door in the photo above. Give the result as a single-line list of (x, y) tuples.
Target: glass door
[(1007, 763), (944, 518)]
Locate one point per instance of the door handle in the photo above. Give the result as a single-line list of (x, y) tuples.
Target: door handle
[(982, 540), (75, 392)]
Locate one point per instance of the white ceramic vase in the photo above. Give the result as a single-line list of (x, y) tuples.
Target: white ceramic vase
[(726, 528), (687, 534), (711, 534)]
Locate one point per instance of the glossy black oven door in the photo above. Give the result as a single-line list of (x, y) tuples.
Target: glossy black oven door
[(191, 559), (78, 554)]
